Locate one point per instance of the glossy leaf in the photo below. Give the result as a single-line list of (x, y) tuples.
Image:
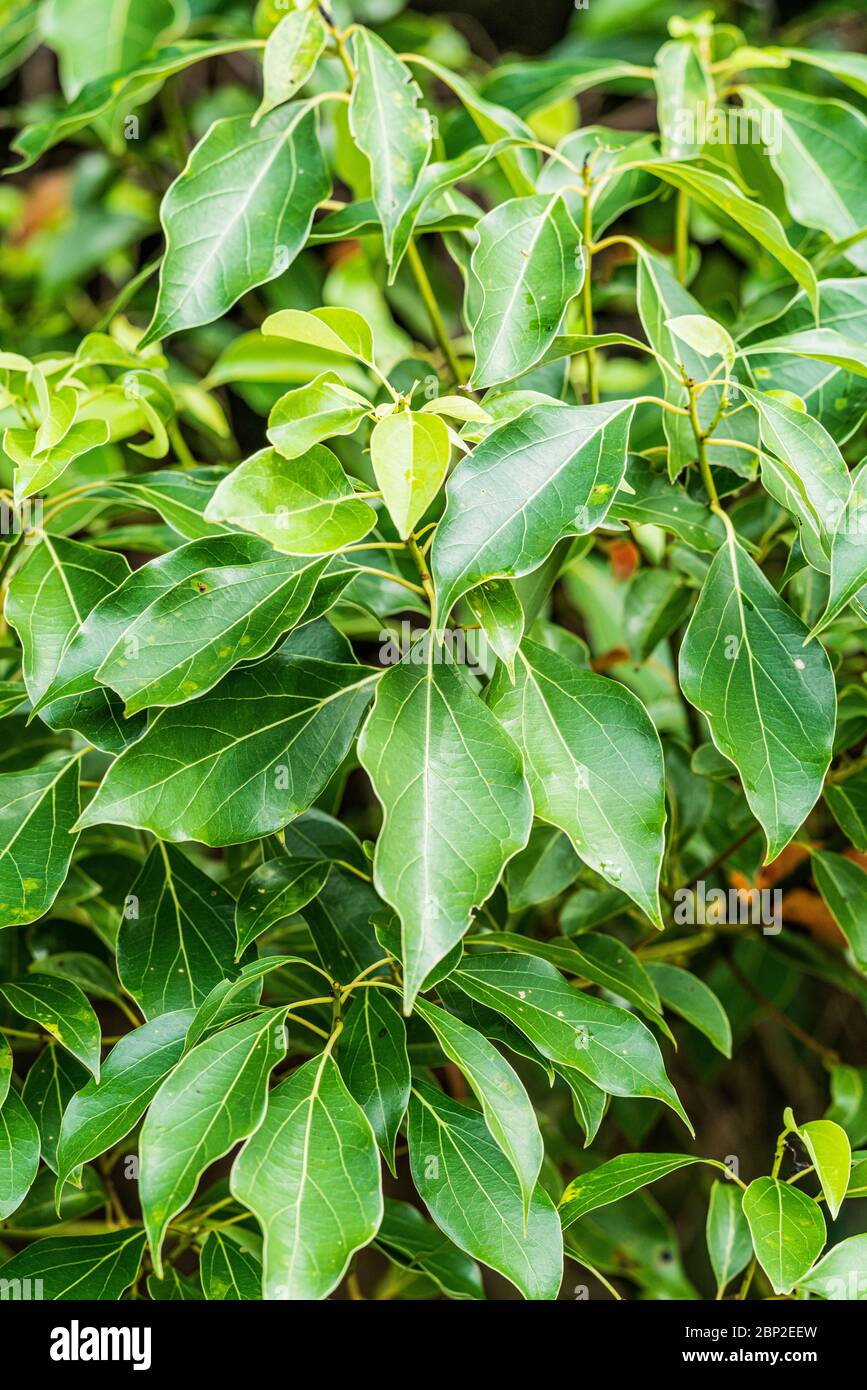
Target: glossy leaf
[(787, 1228), (729, 1242), (62, 1010), (374, 1064)]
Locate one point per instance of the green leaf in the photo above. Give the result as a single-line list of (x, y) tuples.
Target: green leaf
[(179, 497), (848, 552), (846, 799), (470, 1190), (291, 53), (311, 1176), (548, 474), (606, 1044), (455, 802), (414, 1244), (526, 268), (373, 1062), (841, 1274), (257, 732), (684, 87), (215, 1097), (49, 598), (848, 1106), (787, 1228), (38, 810), (657, 502), (588, 1102), (103, 1112), (831, 1155), (303, 506), (341, 331), (729, 1242), (62, 1010), (656, 603), (176, 938), (7, 1063), (505, 1104), (277, 889), (602, 959), (705, 336), (321, 409), (770, 701), (238, 214), (594, 764), (687, 995), (843, 885), (391, 127), (19, 1154), (410, 453), (615, 1179), (35, 468), (193, 634), (543, 870), (49, 1086), (229, 1273), (80, 1267), (95, 38), (497, 608)]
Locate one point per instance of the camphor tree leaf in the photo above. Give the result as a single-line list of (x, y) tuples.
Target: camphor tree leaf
[(605, 1043), (291, 54), (238, 214), (391, 127), (410, 453), (497, 608), (687, 995), (505, 1104), (342, 331), (848, 552), (843, 885), (38, 810), (277, 889), (685, 91), (769, 700), (526, 268), (103, 1112), (550, 473), (51, 595), (100, 1267), (35, 468), (176, 938), (19, 1153), (49, 1086), (374, 1064), (89, 44), (831, 1155), (276, 731), (468, 1186), (456, 806), (217, 618), (215, 1097), (594, 765), (412, 1242), (229, 1272), (303, 506), (729, 1243), (615, 1179), (323, 408), (788, 1230), (310, 1174), (60, 1007), (841, 1273)]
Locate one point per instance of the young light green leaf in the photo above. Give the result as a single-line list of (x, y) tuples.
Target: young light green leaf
[(410, 453), (391, 127), (311, 1176), (594, 764), (259, 187), (215, 1097), (729, 1242), (550, 473), (320, 410), (526, 268), (449, 1146), (607, 1044), (176, 938), (342, 331), (687, 995), (455, 801), (60, 1007), (705, 336), (684, 89), (291, 53), (841, 1274), (828, 1146), (787, 1228), (373, 1062), (103, 1112), (615, 1179), (276, 731), (37, 469), (769, 700), (303, 506), (19, 1154), (505, 1104)]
